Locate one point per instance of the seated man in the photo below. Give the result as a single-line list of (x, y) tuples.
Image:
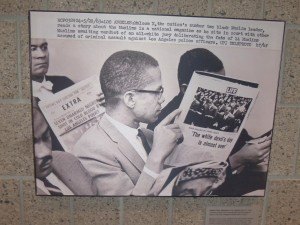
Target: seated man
[(122, 158), (44, 86), (57, 173)]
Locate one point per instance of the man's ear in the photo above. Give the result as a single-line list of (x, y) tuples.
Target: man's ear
[(129, 99)]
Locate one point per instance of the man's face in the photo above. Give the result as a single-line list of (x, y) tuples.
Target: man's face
[(197, 187), (39, 57), (43, 159), (148, 105)]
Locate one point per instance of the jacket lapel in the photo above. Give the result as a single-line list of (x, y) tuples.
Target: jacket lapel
[(123, 145)]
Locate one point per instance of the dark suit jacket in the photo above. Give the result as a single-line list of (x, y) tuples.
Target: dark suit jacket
[(59, 84), (116, 168)]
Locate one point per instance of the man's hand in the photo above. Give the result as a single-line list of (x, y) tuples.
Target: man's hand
[(251, 153), (101, 99), (165, 139)]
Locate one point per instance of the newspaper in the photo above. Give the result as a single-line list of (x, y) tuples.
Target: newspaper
[(73, 110), (214, 111), (75, 45), (199, 179)]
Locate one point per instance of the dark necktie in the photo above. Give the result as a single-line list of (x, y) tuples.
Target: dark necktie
[(53, 190), (144, 141)]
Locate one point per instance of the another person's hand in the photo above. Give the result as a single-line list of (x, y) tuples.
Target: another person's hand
[(252, 152), (101, 99)]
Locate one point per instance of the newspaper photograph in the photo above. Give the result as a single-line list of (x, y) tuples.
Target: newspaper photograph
[(149, 105), (214, 111)]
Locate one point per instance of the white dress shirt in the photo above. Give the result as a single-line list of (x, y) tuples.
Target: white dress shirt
[(42, 90), (131, 134)]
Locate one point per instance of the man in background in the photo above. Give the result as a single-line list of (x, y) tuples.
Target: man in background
[(57, 173), (44, 86), (199, 59)]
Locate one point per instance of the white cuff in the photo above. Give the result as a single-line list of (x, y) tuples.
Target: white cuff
[(150, 172)]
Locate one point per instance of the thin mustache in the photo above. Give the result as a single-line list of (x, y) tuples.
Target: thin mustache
[(45, 159), (42, 63)]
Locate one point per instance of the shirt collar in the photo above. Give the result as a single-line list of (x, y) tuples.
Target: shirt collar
[(44, 84), (124, 129), (43, 89)]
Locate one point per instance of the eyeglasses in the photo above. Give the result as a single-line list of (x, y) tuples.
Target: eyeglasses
[(159, 93)]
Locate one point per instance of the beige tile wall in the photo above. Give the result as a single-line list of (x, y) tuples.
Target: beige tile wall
[(18, 205)]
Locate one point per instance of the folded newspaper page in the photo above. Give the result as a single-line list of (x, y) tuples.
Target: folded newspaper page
[(196, 179), (73, 110), (214, 111)]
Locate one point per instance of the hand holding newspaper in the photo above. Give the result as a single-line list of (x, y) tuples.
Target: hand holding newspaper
[(214, 111), (73, 110), (196, 179)]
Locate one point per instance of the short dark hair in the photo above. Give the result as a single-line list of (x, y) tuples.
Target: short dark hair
[(199, 59), (124, 71)]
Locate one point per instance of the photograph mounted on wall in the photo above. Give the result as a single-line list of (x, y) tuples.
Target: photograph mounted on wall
[(150, 105)]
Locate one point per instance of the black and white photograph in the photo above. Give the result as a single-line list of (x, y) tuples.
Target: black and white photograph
[(218, 111), (144, 105)]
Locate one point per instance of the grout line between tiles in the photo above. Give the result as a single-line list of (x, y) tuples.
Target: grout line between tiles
[(265, 204), (15, 101), (19, 64), (121, 210), (170, 211), (281, 72), (297, 150), (8, 177), (263, 7), (72, 221), (21, 202), (210, 7)]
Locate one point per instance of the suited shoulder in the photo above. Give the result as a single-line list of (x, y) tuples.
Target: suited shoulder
[(63, 79), (59, 82), (93, 143)]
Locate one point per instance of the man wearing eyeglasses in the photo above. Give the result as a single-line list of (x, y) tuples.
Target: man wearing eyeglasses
[(123, 158)]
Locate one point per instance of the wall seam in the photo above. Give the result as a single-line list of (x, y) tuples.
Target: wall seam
[(46, 4), (19, 64), (121, 211), (101, 5), (293, 26), (282, 67), (9, 177), (12, 17), (158, 1), (263, 7), (210, 7), (265, 204), (297, 150), (287, 105), (15, 101), (71, 205), (21, 201), (170, 211), (156, 6), (282, 177)]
